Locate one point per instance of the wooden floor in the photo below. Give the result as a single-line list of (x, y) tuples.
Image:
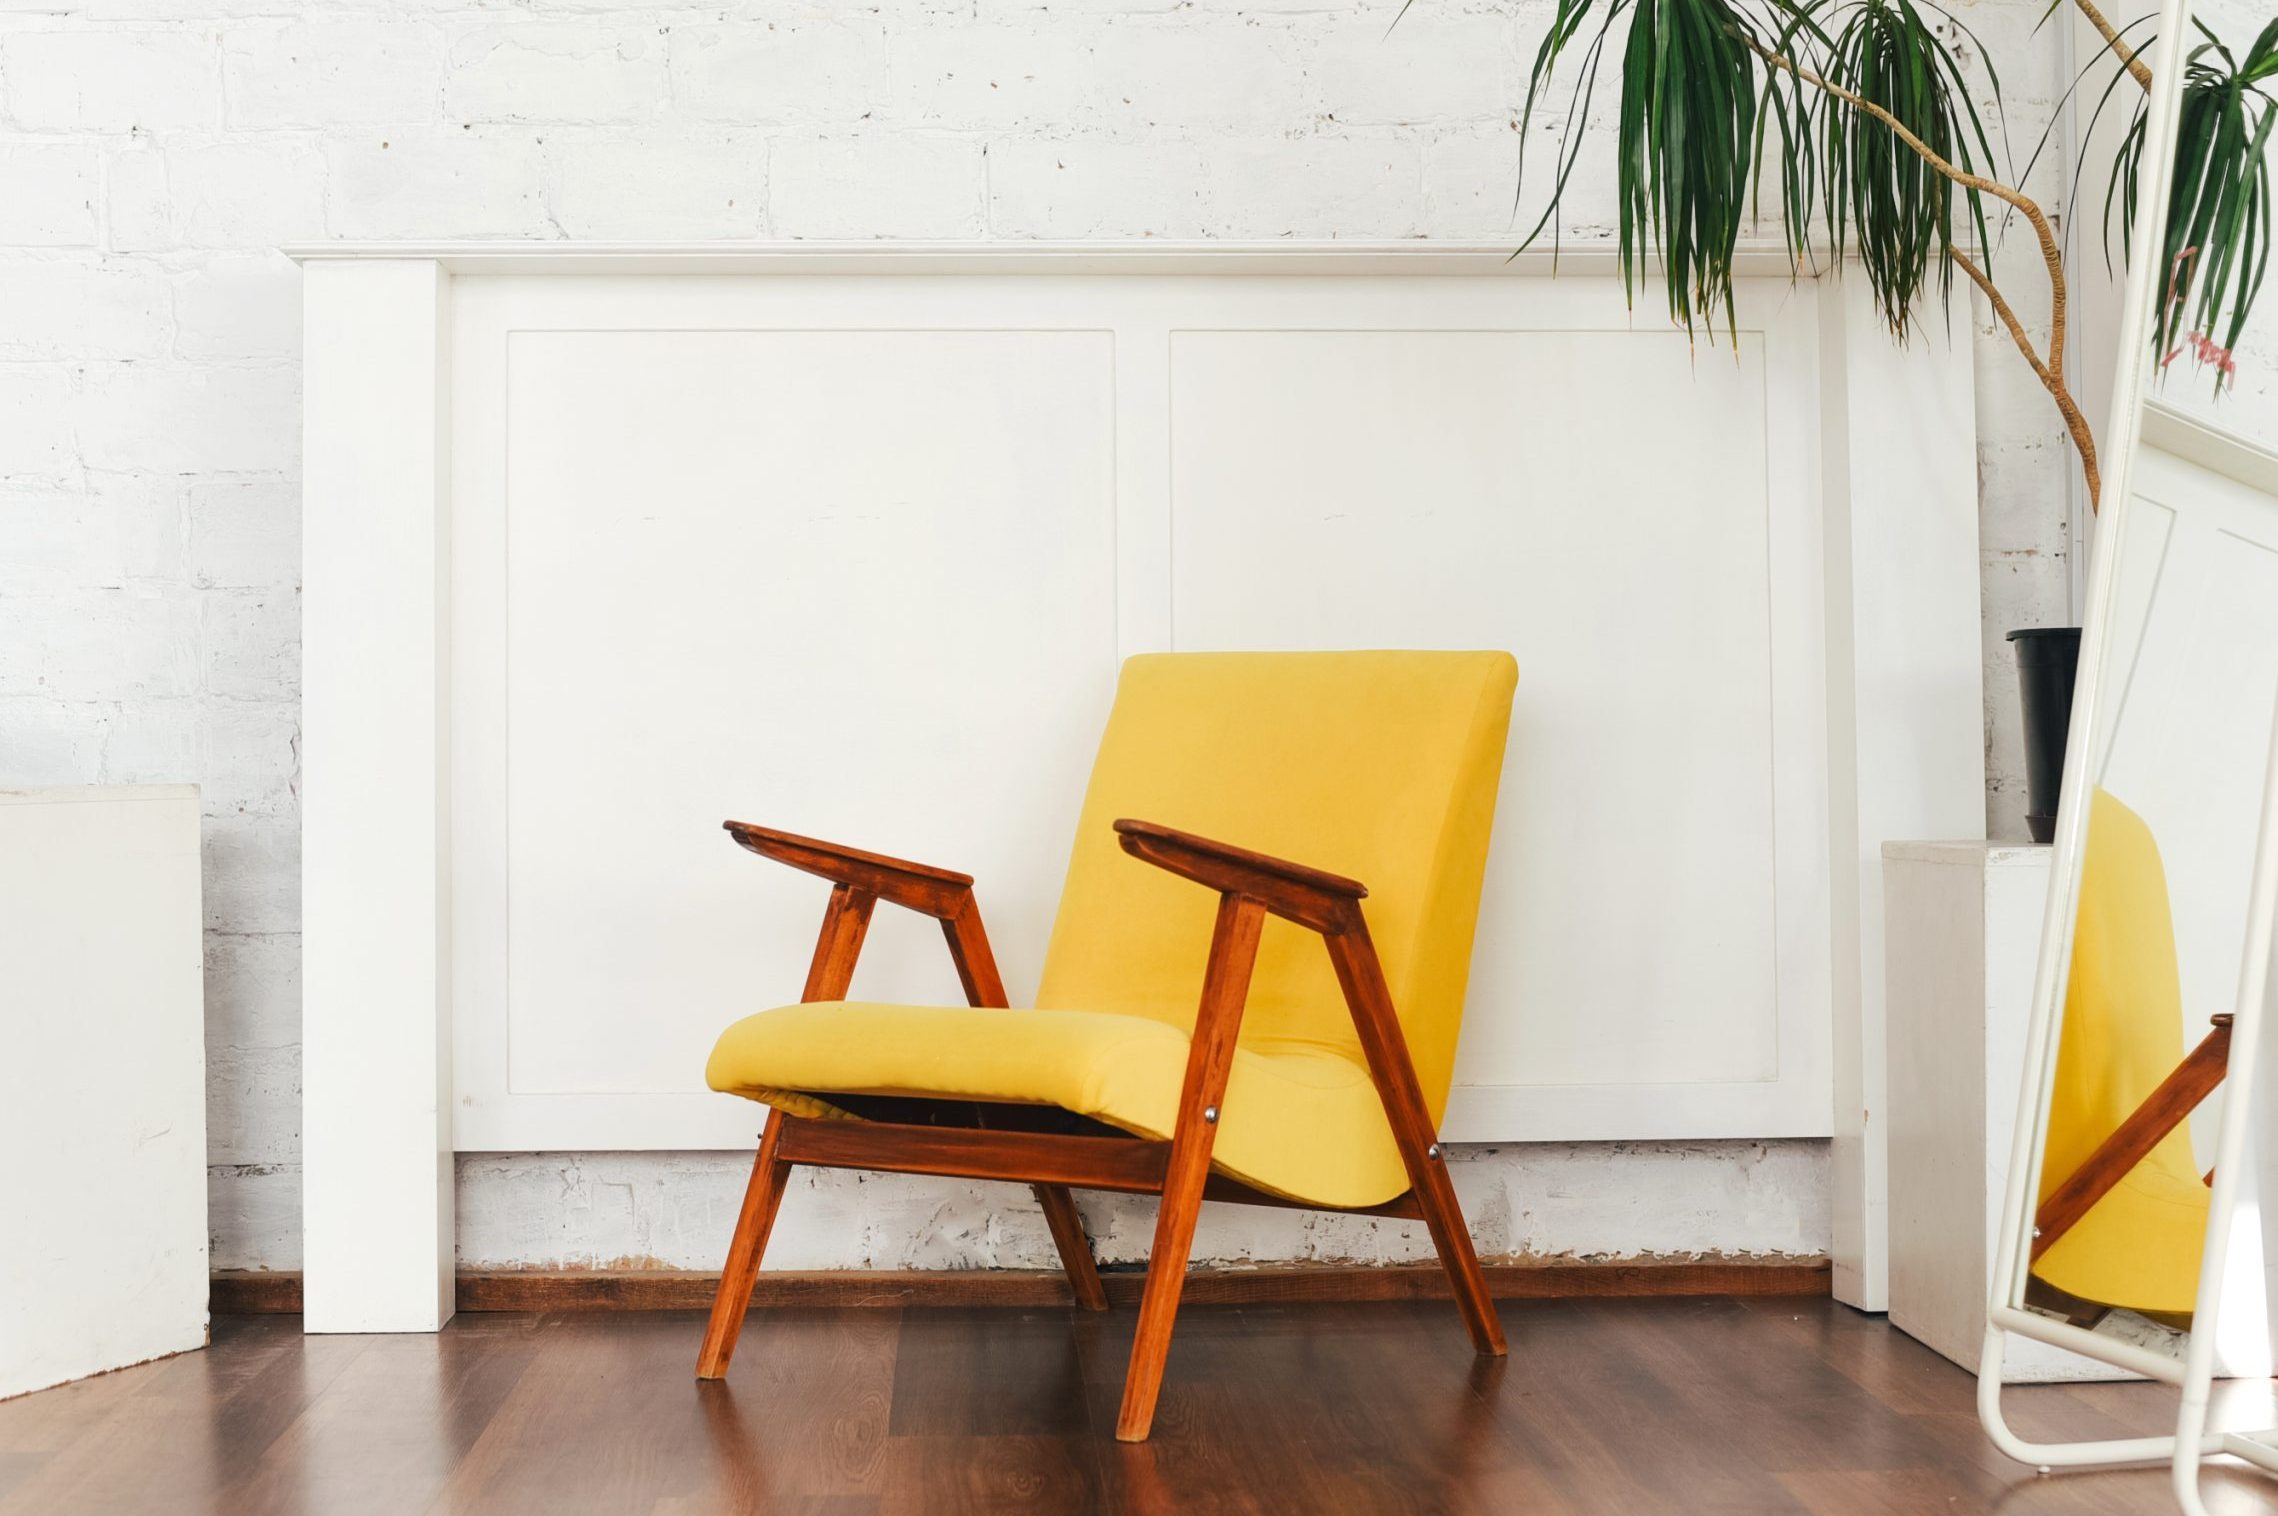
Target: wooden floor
[(1604, 1407)]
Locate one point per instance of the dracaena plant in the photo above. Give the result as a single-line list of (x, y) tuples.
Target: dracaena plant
[(1859, 112)]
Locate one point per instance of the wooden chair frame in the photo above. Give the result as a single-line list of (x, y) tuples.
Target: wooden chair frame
[(1250, 887), (2166, 1108)]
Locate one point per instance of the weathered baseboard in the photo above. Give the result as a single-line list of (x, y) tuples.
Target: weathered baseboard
[(238, 1292), (254, 1292)]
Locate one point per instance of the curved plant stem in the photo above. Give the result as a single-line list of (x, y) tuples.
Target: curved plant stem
[(2120, 50), (2077, 424), (2050, 369)]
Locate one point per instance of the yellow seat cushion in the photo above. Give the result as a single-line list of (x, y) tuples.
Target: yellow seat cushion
[(1298, 1121)]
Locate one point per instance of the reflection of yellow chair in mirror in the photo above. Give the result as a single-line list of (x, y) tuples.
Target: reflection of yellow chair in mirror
[(2123, 1208), (1317, 1066)]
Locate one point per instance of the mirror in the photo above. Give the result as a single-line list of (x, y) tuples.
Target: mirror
[(2179, 743), (2155, 950)]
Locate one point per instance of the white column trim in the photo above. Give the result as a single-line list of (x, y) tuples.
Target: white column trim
[(1906, 695), (376, 1048)]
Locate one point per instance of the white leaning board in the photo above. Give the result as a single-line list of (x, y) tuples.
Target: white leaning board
[(851, 542), (1965, 926), (103, 1083)]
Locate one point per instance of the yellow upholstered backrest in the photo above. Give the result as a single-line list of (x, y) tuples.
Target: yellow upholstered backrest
[(2122, 1035), (1379, 766)]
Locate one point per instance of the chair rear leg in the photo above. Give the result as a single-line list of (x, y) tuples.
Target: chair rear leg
[(761, 1198), (1353, 956), (1452, 1239), (1075, 1248)]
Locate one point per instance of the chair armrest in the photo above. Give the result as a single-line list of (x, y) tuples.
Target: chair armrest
[(1326, 902), (940, 893)]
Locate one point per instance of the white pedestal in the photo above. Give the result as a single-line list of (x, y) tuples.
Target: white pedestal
[(102, 1081), (1963, 924)]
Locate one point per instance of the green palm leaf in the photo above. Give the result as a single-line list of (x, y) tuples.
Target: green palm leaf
[(2215, 243), (1694, 123)]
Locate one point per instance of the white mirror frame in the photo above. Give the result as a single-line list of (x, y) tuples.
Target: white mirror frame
[(2195, 1373)]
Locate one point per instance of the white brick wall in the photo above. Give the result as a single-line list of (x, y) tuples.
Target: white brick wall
[(53, 189), (154, 152), (111, 81)]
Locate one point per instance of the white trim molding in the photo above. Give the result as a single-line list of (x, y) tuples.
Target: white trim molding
[(1906, 697), (1756, 258), (376, 1050)]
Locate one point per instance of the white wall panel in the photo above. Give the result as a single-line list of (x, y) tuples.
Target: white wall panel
[(1475, 489), (825, 580), (859, 583), (858, 555)]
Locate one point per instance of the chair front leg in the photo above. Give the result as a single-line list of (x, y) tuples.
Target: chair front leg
[(1210, 1057), (757, 1218), (846, 921)]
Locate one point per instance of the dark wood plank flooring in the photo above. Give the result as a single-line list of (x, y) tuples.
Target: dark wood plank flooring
[(1605, 1406)]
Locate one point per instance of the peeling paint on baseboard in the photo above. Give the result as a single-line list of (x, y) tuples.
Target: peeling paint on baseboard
[(1527, 1203)]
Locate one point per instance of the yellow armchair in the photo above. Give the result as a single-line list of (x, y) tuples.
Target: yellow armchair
[(1308, 1064)]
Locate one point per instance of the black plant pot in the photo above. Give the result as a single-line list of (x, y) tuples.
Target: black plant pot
[(2048, 659)]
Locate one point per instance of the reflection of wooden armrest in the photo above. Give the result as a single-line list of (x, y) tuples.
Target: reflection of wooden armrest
[(2178, 1095)]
